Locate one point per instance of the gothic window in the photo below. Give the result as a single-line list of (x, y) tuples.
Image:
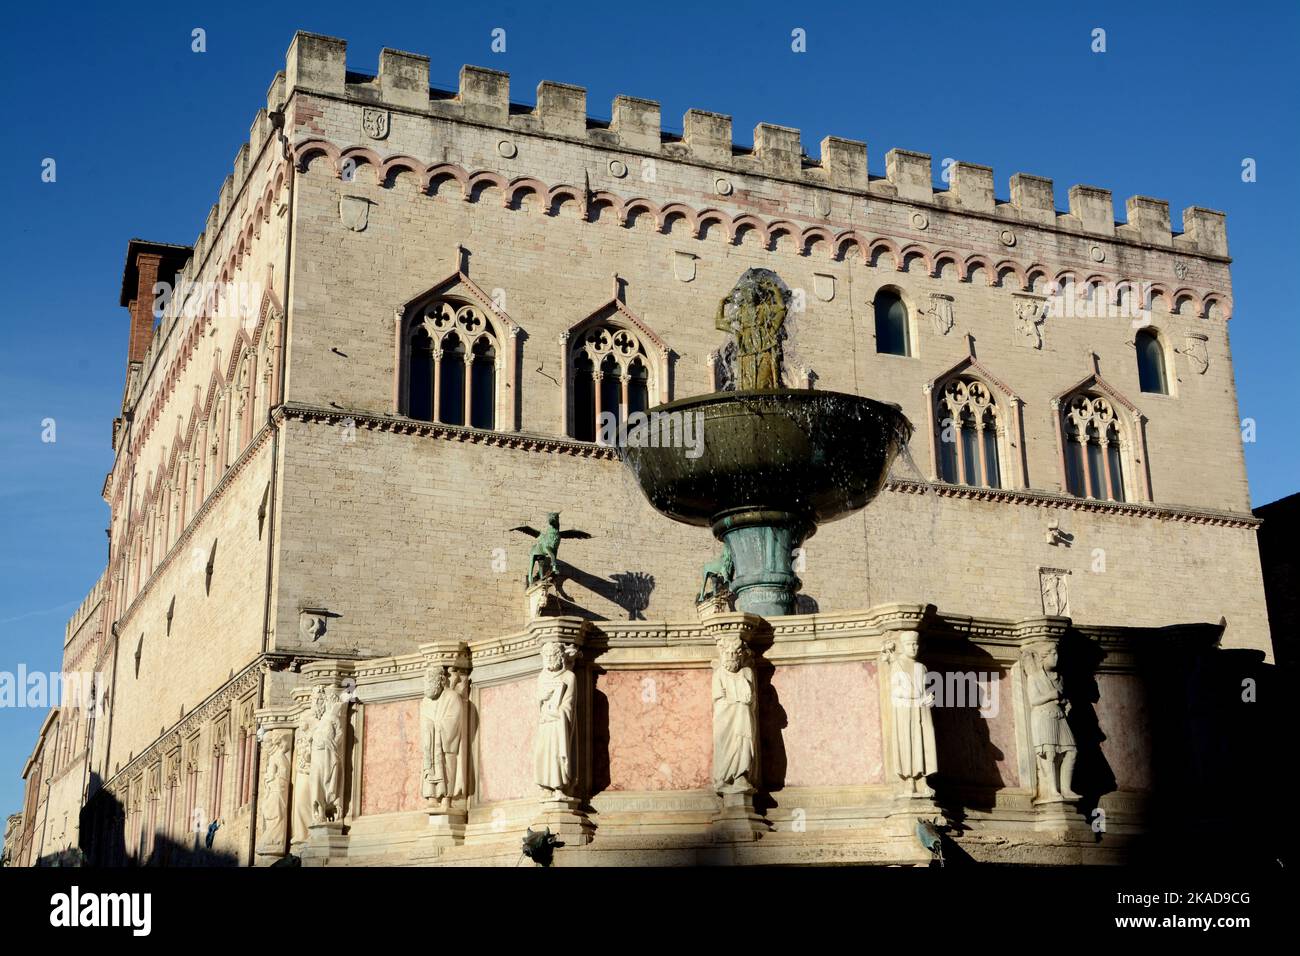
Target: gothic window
[(1094, 448), (610, 375), (192, 786), (218, 778), (452, 352), (169, 809), (239, 418), (212, 466), (970, 425), (1151, 363), (246, 765), (891, 324)]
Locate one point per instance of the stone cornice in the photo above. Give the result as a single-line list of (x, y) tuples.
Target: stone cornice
[(396, 424), (1050, 499), (567, 446)]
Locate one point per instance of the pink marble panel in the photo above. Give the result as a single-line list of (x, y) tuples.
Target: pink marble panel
[(391, 761), (974, 730), (1125, 722), (821, 726), (660, 735), (507, 722), (1001, 722)]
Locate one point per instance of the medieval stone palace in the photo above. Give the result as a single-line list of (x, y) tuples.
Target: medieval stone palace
[(380, 591)]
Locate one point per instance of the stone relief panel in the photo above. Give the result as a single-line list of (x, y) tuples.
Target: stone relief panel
[(658, 729), (390, 768), (821, 726), (1124, 720), (1054, 585), (507, 726)]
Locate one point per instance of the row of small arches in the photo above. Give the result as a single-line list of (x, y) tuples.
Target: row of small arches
[(842, 245)]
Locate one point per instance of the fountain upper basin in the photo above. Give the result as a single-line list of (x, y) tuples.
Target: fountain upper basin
[(804, 454)]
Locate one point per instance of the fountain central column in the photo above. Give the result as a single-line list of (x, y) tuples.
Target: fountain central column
[(762, 544)]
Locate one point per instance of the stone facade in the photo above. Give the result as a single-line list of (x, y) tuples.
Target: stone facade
[(283, 521)]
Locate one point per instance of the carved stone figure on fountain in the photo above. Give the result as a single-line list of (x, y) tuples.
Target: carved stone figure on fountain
[(754, 312), (442, 738), (555, 748), (1053, 741), (327, 742), (913, 744), (735, 720)]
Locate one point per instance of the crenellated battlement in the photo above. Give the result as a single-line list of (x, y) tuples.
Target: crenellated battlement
[(88, 605), (318, 65)]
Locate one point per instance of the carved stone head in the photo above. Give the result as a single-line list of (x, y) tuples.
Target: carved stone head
[(909, 644), (556, 657), (732, 653), (435, 682)]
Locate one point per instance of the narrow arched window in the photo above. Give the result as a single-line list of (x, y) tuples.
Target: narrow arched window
[(584, 399), (1093, 449), (1151, 363), (638, 387), (969, 440), (420, 376), (891, 324), (451, 381), (482, 384), (450, 365), (611, 393)]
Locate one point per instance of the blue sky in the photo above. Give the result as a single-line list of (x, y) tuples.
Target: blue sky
[(144, 131)]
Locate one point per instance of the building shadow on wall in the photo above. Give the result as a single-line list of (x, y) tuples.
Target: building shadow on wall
[(965, 679), (103, 843), (773, 761), (806, 604), (629, 590), (1078, 662), (600, 771), (1218, 718)]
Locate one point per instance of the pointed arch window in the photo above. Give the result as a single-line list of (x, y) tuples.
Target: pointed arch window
[(1095, 448), (971, 427), (452, 358), (612, 374), (1151, 363), (892, 334)]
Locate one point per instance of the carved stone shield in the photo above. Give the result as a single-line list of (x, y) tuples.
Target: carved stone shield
[(375, 123), (684, 266), (1194, 349), (941, 312), (354, 212), (824, 286)]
